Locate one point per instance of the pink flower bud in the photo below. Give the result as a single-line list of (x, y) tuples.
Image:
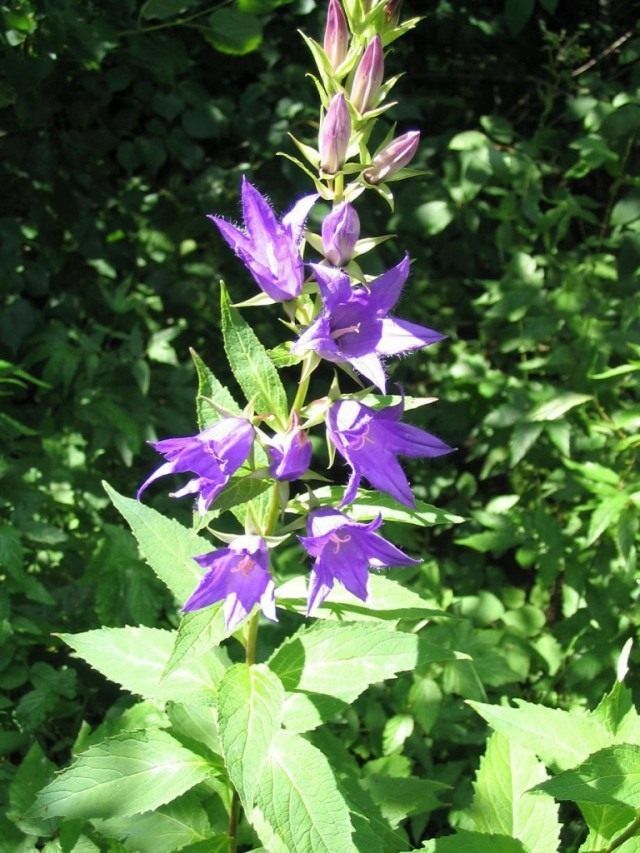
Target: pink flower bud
[(335, 132), (340, 231), (393, 157), (336, 34), (392, 11), (368, 77)]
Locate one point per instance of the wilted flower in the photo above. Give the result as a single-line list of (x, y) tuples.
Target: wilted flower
[(368, 77), (213, 456), (340, 232), (238, 574), (371, 439), (336, 34), (393, 157), (269, 249), (344, 550), (335, 132), (290, 452), (354, 326)]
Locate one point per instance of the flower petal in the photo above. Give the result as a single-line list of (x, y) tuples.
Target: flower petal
[(294, 220), (371, 368), (398, 336), (386, 289)]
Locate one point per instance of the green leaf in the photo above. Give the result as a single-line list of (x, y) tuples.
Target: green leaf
[(165, 8), (167, 546), (136, 658), (466, 842), (240, 490), (610, 776), (517, 14), (468, 140), (197, 631), (251, 364), (605, 824), (523, 437), (170, 828), (605, 515), (298, 804), (559, 405), (249, 714), (501, 803), (434, 216), (371, 504), (125, 775), (33, 773), (560, 738), (398, 798), (209, 388), (234, 32)]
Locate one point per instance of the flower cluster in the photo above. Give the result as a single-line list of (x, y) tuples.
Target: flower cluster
[(339, 315)]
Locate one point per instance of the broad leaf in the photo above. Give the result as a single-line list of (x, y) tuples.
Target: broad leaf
[(298, 804), (251, 364), (125, 775), (211, 389), (561, 739), (501, 803), (474, 842), (398, 797), (249, 715), (605, 824), (167, 546), (198, 631), (136, 658)]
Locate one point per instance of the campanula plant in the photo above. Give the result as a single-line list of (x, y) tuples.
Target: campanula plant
[(236, 736)]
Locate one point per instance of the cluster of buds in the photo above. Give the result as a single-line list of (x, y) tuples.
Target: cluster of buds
[(338, 315)]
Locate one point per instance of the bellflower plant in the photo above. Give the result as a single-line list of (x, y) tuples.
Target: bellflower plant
[(233, 731)]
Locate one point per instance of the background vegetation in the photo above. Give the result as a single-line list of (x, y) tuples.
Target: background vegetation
[(123, 125)]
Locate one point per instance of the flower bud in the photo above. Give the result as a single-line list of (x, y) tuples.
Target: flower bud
[(340, 230), (392, 12), (335, 132), (393, 157), (336, 34), (368, 77)]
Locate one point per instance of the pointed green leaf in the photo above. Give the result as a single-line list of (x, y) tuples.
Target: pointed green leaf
[(125, 775), (251, 364), (249, 714), (501, 803), (136, 658), (167, 546), (209, 388), (474, 842), (397, 797), (298, 804), (558, 406), (198, 631)]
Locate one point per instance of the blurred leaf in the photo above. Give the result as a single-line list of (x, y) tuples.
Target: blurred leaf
[(234, 32)]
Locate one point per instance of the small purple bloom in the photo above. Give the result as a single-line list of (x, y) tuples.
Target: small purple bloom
[(368, 77), (213, 456), (268, 248), (290, 452), (336, 34), (238, 574), (340, 232), (393, 157), (344, 550), (354, 326), (335, 133), (371, 439)]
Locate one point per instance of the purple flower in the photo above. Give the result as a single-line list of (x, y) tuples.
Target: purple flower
[(354, 326), (290, 452), (213, 456), (340, 232), (344, 551), (269, 249), (238, 574), (371, 439), (335, 133)]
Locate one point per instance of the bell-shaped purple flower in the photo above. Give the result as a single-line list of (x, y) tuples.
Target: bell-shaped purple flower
[(368, 77), (335, 133), (344, 550), (213, 456), (268, 248), (290, 452), (354, 326), (340, 232), (336, 34), (393, 157), (238, 574), (371, 439)]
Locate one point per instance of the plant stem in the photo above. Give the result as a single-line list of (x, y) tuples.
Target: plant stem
[(629, 832), (234, 813)]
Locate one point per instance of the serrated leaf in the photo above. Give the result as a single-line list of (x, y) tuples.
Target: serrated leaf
[(197, 631), (167, 546), (240, 490), (501, 803), (559, 405), (610, 776), (210, 388), (128, 774), (559, 738), (136, 658), (251, 364), (250, 704), (400, 797), (298, 804)]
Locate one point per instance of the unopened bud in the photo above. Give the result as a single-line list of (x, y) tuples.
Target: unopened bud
[(340, 231), (368, 77), (336, 34), (392, 12), (335, 132), (393, 157)]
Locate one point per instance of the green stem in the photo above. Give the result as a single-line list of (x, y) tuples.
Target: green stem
[(234, 814), (629, 832), (301, 394)]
